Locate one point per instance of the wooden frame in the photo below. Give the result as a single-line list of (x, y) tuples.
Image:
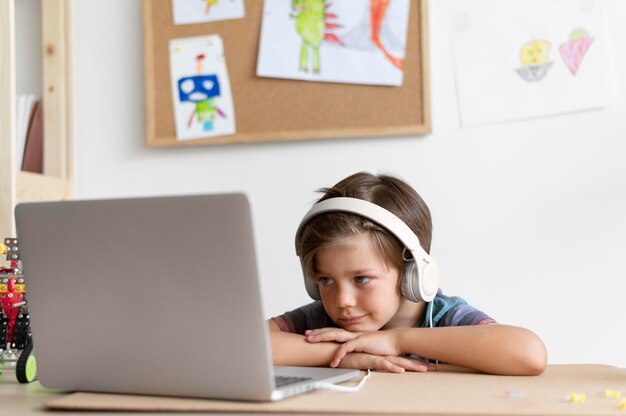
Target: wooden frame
[(57, 92), (7, 117), (275, 109), (56, 181)]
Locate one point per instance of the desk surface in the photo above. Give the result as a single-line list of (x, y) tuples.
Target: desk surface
[(28, 400), (451, 391)]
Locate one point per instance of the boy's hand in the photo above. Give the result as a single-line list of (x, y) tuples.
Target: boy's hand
[(391, 364), (330, 334), (383, 343), (378, 350)]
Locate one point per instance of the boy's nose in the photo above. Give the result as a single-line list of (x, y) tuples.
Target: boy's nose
[(345, 297)]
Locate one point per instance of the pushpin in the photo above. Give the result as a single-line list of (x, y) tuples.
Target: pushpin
[(612, 394), (577, 398)]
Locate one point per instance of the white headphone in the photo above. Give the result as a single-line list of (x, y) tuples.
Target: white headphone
[(421, 273)]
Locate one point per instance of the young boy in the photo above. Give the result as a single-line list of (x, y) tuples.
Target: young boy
[(365, 319)]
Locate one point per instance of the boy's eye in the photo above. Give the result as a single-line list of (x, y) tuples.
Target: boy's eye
[(325, 281), (362, 279)]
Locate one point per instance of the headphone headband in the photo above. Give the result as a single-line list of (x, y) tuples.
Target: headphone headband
[(371, 211)]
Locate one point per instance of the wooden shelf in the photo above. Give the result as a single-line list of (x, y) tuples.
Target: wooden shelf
[(57, 180), (36, 187)]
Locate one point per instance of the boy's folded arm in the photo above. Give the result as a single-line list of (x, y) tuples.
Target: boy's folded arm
[(293, 349), (493, 348)]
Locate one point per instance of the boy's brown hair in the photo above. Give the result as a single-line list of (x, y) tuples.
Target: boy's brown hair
[(387, 191)]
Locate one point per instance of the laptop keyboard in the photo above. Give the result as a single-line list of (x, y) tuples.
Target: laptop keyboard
[(285, 380)]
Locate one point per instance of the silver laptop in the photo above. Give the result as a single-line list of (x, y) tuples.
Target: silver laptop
[(152, 296)]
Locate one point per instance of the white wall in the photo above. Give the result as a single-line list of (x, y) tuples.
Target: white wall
[(529, 217), (28, 56)]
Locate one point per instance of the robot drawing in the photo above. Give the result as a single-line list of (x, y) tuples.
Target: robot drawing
[(201, 90)]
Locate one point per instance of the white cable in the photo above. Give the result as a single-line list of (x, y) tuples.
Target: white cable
[(432, 306), (345, 389)]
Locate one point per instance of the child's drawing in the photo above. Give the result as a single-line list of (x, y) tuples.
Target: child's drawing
[(313, 24), (573, 51), (201, 11), (497, 81), (209, 4), (202, 91), (200, 88), (373, 32), (534, 57), (349, 41)]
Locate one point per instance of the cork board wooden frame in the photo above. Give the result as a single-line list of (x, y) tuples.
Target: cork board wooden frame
[(269, 109)]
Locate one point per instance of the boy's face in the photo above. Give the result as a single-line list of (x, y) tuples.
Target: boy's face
[(359, 290)]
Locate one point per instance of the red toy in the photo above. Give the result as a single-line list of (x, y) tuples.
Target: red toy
[(14, 317)]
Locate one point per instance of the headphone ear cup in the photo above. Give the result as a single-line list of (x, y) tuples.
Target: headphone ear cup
[(418, 286), (410, 282), (311, 285)]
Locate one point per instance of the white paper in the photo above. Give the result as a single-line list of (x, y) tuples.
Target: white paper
[(340, 34), (203, 105), (202, 11), (530, 63)]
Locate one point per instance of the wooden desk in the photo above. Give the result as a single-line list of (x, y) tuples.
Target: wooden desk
[(451, 390), (28, 400)]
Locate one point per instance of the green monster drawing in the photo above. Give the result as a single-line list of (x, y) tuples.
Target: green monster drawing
[(312, 26)]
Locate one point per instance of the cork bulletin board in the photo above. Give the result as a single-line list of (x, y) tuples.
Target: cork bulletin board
[(270, 109)]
